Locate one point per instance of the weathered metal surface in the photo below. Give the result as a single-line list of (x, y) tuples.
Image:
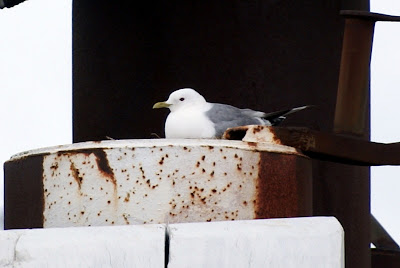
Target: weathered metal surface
[(321, 145), (156, 181), (287, 187), (23, 194)]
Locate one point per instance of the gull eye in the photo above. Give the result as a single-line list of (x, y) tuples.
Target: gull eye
[(182, 99)]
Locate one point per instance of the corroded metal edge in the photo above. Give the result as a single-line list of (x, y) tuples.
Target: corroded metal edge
[(140, 143), (117, 180), (322, 145), (26, 193), (284, 192)]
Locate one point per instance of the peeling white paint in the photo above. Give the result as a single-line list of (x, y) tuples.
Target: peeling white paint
[(149, 185)]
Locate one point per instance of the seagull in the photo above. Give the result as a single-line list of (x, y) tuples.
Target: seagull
[(192, 117)]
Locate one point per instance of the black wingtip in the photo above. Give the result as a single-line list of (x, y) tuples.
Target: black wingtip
[(277, 121), (275, 118), (294, 110)]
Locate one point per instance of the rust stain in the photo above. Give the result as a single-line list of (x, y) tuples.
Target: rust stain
[(125, 218), (252, 144), (239, 167), (257, 129), (86, 152), (54, 166), (75, 174), (126, 199), (142, 171), (104, 165), (101, 160), (276, 140)]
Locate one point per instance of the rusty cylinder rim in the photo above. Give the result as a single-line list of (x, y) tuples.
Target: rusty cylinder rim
[(154, 143)]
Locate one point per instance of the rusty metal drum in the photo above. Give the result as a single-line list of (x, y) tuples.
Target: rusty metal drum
[(155, 181)]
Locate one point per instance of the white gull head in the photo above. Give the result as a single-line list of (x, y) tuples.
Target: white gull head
[(185, 98), (187, 118)]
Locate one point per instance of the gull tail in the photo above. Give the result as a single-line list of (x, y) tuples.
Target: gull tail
[(275, 118)]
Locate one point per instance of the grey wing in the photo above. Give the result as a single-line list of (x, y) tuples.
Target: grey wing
[(226, 116), (253, 113)]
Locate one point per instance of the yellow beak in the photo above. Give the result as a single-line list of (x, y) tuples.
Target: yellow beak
[(161, 105)]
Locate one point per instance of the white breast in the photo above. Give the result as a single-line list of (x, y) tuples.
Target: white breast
[(189, 123)]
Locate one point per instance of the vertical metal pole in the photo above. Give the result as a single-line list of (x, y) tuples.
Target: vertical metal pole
[(353, 90), (351, 117)]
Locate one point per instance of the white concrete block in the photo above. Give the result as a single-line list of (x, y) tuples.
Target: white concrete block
[(294, 242), (8, 240), (119, 246)]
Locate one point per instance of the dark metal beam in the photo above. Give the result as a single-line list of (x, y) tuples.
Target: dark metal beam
[(385, 258), (323, 145)]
